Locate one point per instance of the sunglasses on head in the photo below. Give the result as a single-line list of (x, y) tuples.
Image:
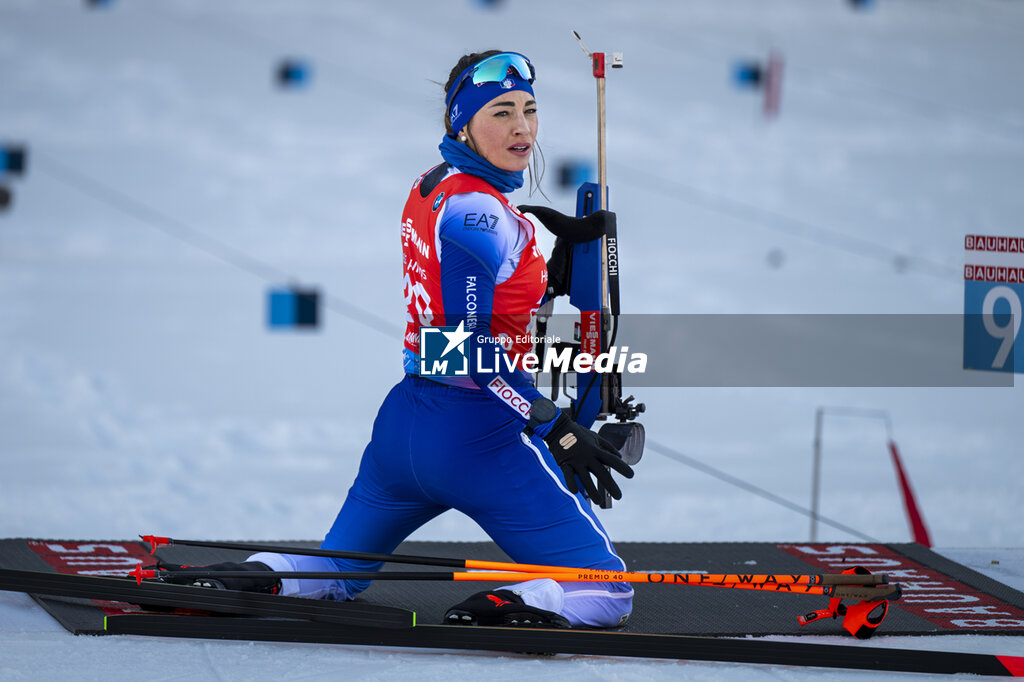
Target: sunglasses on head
[(494, 69)]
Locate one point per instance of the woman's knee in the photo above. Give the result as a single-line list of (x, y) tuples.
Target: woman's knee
[(599, 605)]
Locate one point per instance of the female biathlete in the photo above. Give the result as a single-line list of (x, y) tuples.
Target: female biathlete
[(482, 442)]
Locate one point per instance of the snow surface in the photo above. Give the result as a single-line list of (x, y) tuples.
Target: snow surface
[(170, 184)]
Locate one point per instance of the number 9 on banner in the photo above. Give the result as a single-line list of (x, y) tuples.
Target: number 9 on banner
[(992, 320)]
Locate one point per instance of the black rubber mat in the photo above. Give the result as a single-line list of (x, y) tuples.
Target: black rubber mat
[(940, 596)]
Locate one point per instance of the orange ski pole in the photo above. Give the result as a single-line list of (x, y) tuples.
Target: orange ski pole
[(842, 591), (677, 578)]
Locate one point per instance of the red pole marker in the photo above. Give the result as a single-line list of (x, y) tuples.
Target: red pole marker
[(914, 516), (155, 541), (140, 573)]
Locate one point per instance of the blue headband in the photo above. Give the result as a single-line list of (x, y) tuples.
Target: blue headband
[(471, 98)]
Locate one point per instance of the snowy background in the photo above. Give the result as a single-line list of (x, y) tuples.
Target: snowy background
[(171, 183)]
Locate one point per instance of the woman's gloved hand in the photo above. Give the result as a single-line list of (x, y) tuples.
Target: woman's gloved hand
[(579, 452), (568, 230)]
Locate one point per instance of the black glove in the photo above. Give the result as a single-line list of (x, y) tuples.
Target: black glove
[(568, 231), (573, 230), (559, 268), (579, 451)]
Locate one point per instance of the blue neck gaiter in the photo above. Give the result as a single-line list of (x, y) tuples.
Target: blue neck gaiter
[(468, 161)]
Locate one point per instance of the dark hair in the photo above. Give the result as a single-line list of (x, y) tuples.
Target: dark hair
[(464, 63), (537, 169)]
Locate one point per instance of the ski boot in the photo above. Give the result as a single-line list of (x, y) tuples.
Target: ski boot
[(502, 608), (262, 584)]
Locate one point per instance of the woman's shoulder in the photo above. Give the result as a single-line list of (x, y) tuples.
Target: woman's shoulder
[(476, 201), (428, 181), (479, 208), (478, 215), (445, 179)]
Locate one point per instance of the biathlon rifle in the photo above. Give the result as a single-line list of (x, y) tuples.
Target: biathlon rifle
[(594, 292)]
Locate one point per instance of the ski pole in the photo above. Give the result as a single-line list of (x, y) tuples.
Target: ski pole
[(693, 578), (836, 591), (156, 541)]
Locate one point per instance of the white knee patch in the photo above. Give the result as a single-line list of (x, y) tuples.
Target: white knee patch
[(542, 593), (600, 605), (313, 589)]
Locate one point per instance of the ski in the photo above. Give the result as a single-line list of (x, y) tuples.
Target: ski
[(578, 642), (204, 599)]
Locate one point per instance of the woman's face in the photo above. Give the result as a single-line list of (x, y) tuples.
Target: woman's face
[(504, 129)]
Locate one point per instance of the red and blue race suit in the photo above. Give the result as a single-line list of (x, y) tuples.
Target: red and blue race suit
[(492, 280), (459, 443)]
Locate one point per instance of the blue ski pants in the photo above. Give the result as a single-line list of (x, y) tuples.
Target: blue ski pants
[(435, 447)]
